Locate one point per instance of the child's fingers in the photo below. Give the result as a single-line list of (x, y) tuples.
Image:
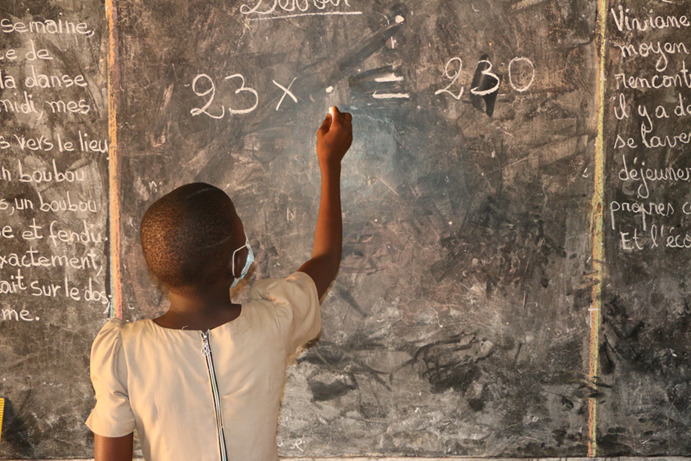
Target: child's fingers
[(326, 124), (340, 118), (336, 120), (346, 123), (337, 115)]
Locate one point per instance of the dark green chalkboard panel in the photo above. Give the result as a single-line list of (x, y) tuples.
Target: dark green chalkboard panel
[(53, 213), (646, 345), (458, 324)]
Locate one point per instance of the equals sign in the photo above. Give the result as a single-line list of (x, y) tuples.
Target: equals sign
[(373, 79), (389, 78)]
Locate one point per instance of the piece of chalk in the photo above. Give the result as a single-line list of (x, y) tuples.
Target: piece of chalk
[(332, 111)]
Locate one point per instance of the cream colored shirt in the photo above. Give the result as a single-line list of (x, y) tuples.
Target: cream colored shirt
[(157, 380)]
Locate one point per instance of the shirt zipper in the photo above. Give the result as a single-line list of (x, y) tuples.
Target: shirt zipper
[(206, 351)]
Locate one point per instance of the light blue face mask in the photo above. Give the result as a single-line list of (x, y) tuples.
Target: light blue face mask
[(248, 262)]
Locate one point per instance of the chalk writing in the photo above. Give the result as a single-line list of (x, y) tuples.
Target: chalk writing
[(295, 444), (13, 314), (82, 142), (626, 22), (453, 62), (210, 91), (520, 69), (33, 258), (484, 67), (678, 79), (40, 80), (650, 103), (390, 78), (663, 50), (51, 175), (643, 174), (67, 202), (23, 105), (377, 95), (286, 92), (49, 289), (243, 89), (31, 55), (283, 9), (52, 223), (521, 76), (58, 232), (46, 26), (643, 210)]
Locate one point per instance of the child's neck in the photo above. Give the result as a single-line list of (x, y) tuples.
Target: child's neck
[(199, 311)]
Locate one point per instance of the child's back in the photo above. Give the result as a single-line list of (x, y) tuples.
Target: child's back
[(204, 380)]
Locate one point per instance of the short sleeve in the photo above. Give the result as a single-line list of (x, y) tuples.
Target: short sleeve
[(297, 307), (112, 416)]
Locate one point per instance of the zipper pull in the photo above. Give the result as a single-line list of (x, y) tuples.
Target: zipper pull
[(206, 347)]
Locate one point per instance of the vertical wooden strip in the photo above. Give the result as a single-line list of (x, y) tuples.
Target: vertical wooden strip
[(597, 218), (2, 414), (113, 165)]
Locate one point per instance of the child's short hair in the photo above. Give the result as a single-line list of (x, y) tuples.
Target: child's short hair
[(186, 235)]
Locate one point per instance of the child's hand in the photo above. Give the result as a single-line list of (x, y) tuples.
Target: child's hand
[(334, 137)]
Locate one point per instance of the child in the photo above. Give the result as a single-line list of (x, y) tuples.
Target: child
[(204, 380)]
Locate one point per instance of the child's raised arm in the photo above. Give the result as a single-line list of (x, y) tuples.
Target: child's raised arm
[(333, 140)]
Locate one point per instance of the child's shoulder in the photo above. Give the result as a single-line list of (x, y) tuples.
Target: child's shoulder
[(116, 324), (117, 337), (115, 328), (271, 287), (110, 330)]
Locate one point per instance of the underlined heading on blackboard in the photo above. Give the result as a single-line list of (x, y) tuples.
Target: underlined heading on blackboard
[(285, 9)]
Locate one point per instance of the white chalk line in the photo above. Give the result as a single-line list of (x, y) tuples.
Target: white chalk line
[(288, 16), (388, 78), (390, 95), (526, 4)]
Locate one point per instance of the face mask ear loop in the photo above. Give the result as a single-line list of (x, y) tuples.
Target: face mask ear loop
[(246, 245), (248, 262)]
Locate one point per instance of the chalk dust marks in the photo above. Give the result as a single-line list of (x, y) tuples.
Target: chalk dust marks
[(348, 63)]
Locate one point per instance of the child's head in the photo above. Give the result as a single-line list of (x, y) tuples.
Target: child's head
[(188, 236)]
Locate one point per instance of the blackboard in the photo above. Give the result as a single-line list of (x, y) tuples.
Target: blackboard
[(500, 294), (646, 314), (54, 264)]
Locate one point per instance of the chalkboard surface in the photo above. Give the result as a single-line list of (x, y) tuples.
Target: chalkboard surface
[(459, 322), (645, 349), (53, 221), (511, 285)]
